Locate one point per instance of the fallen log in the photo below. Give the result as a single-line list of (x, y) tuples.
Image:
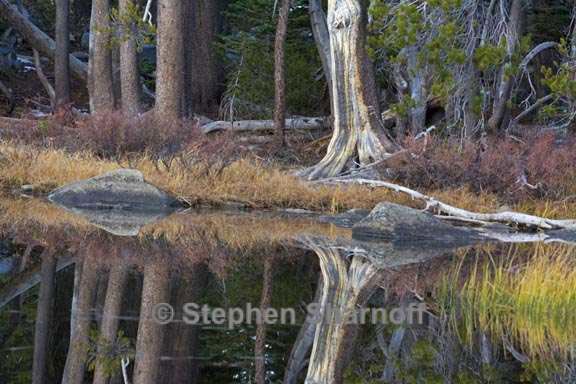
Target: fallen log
[(454, 213), (300, 123), (37, 38)]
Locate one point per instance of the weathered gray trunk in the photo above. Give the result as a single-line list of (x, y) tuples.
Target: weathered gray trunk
[(61, 60), (150, 337), (170, 60), (345, 289), (110, 317), (43, 318), (417, 92), (129, 71), (80, 323), (100, 80), (354, 106)]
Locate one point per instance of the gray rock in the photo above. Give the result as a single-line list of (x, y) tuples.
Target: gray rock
[(406, 226), (121, 189)]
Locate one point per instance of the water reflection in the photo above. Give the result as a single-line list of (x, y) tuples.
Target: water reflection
[(79, 304)]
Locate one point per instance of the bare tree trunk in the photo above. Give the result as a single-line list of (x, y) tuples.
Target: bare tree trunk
[(150, 337), (61, 60), (417, 92), (506, 81), (169, 73), (43, 317), (322, 38), (354, 107), (81, 318), (36, 38), (129, 70), (110, 317), (100, 80), (344, 290), (280, 73), (260, 342)]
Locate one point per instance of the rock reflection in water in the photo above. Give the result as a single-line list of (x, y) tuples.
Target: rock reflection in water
[(94, 296)]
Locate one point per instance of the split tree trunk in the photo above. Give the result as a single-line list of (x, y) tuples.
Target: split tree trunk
[(346, 287), (100, 80), (150, 337), (322, 38), (43, 318), (170, 62), (129, 70), (110, 317), (280, 73), (354, 102), (62, 61)]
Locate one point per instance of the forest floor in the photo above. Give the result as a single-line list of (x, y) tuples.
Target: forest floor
[(535, 174)]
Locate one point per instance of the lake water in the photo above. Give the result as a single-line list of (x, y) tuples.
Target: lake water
[(239, 297)]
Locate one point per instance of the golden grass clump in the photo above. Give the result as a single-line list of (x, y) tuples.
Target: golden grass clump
[(529, 299)]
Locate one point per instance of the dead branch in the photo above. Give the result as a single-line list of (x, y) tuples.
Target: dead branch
[(432, 204), (43, 79), (301, 123)]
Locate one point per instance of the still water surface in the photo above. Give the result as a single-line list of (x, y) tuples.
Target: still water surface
[(236, 297)]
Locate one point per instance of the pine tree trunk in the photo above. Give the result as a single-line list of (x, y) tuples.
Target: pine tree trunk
[(129, 70), (260, 341), (100, 80), (170, 60), (110, 317), (61, 59), (354, 105), (150, 337), (280, 73), (322, 38), (43, 317)]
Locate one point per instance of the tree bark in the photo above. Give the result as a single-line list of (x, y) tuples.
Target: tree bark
[(203, 69), (129, 70), (169, 73), (150, 337), (110, 317), (80, 325), (36, 38), (62, 59), (300, 123), (354, 107), (280, 73), (506, 81), (43, 317), (100, 80)]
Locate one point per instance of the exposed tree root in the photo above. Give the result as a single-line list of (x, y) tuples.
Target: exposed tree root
[(454, 213)]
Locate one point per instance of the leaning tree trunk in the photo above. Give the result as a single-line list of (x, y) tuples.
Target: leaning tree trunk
[(100, 80), (346, 287), (280, 73), (129, 71), (354, 103), (43, 317), (322, 38), (62, 61), (169, 73), (506, 80)]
